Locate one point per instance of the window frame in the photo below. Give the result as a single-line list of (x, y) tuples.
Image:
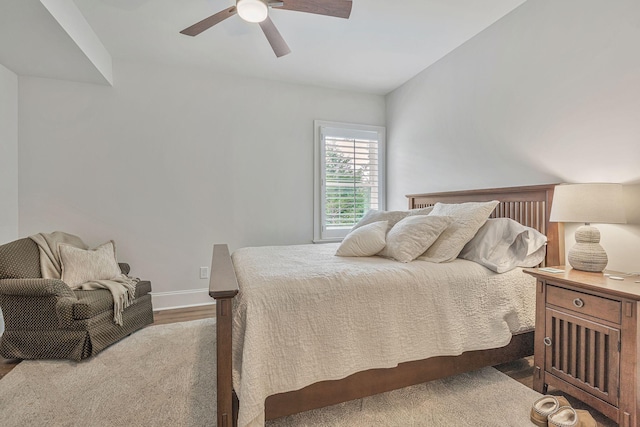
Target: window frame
[(319, 235)]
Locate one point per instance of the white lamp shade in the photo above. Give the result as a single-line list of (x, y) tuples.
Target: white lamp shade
[(252, 10), (588, 203)]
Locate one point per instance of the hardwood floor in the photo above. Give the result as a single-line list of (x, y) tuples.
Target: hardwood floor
[(183, 314), (6, 365), (521, 370)]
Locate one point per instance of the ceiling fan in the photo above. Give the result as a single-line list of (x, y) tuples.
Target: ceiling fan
[(257, 11)]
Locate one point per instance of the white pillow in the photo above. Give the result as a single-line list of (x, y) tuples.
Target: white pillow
[(467, 219), (535, 258), (421, 211), (503, 244), (367, 240), (393, 217), (410, 237), (374, 215), (80, 266)]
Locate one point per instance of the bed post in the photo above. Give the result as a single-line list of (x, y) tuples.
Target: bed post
[(223, 287)]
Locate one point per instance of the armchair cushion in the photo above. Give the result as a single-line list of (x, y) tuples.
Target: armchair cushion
[(92, 303)]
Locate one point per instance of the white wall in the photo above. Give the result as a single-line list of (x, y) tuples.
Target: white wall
[(170, 161), (549, 93), (8, 155), (8, 160)]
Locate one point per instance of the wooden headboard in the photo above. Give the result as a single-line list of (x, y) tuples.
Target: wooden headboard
[(530, 206)]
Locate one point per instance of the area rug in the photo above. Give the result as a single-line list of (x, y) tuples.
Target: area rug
[(165, 376)]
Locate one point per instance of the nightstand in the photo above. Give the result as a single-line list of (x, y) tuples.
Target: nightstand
[(587, 339)]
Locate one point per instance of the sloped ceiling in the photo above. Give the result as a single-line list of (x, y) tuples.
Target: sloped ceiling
[(51, 38), (382, 45)]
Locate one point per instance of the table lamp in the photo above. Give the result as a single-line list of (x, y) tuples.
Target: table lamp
[(588, 203)]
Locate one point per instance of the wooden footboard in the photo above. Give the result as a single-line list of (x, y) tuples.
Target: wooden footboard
[(223, 287)]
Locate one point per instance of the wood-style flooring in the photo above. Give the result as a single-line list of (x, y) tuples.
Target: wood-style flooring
[(521, 370)]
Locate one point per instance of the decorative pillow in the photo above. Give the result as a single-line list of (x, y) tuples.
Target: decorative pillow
[(393, 217), (467, 220), (410, 237), (80, 266), (367, 240), (421, 211), (503, 244)]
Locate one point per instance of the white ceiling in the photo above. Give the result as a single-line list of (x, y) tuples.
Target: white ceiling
[(33, 43), (381, 46)]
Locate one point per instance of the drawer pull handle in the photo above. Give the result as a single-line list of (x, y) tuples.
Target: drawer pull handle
[(578, 303), (547, 341)]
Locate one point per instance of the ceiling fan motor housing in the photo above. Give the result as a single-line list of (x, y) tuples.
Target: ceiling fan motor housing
[(252, 10)]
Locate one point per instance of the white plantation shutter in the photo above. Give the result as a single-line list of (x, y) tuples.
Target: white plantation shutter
[(350, 166)]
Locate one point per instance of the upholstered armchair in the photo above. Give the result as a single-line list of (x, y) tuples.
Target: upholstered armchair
[(46, 319)]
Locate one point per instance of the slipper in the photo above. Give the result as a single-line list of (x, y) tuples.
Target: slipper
[(544, 407), (566, 416)]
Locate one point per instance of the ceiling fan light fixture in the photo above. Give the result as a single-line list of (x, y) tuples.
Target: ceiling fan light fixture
[(252, 10)]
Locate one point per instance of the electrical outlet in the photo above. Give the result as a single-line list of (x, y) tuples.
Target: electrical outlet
[(204, 272)]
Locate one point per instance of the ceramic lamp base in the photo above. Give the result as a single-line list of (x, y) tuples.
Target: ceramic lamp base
[(587, 254)]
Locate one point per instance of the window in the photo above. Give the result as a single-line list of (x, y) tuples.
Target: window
[(349, 176)]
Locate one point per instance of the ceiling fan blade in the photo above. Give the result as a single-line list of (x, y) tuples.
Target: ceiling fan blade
[(276, 41), (209, 22), (337, 8)]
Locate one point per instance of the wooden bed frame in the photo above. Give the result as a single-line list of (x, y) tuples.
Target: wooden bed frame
[(530, 205)]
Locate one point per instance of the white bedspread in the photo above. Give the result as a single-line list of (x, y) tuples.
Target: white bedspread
[(304, 315)]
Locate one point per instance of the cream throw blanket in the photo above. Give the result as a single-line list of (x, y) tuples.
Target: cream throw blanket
[(122, 287)]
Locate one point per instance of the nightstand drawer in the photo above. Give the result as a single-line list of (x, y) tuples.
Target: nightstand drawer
[(591, 305)]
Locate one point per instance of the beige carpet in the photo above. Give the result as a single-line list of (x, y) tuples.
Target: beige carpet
[(165, 376)]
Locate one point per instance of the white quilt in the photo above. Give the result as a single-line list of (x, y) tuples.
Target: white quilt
[(304, 315)]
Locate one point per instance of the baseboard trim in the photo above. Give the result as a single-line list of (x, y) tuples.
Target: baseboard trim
[(181, 299)]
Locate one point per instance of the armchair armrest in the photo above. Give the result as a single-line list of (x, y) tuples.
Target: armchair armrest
[(35, 288), (15, 292), (124, 267)]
